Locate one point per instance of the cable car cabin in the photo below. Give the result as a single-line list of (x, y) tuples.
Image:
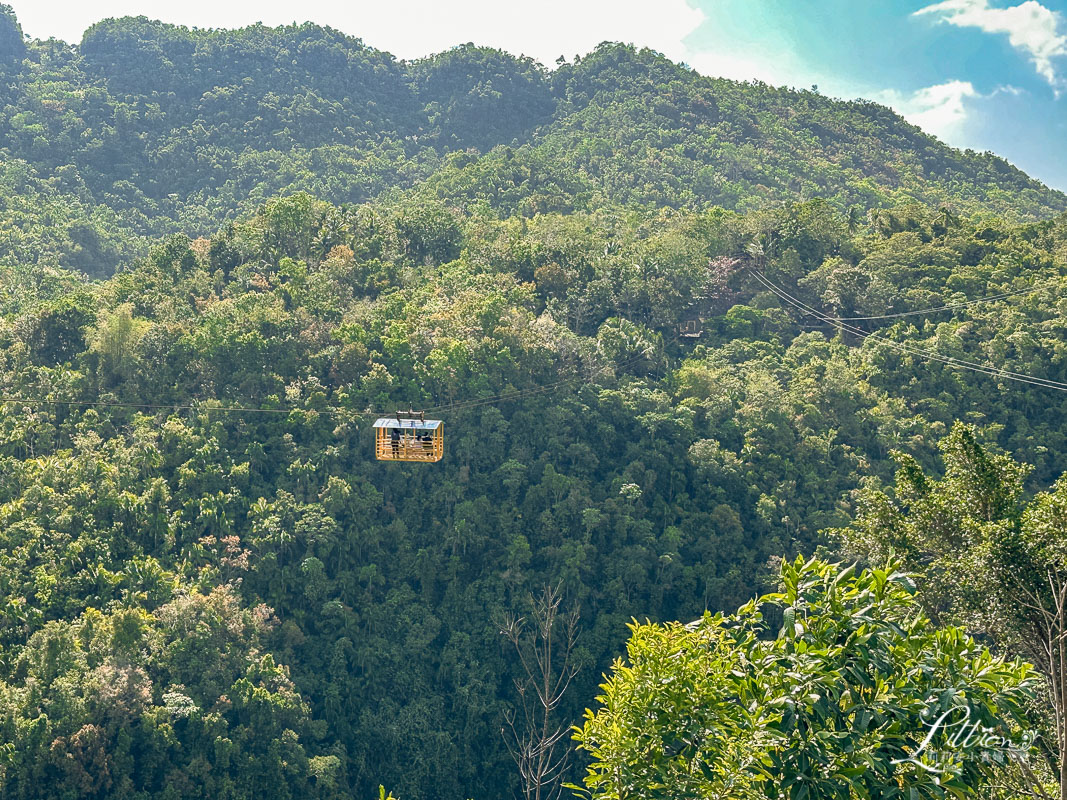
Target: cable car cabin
[(409, 439), (691, 328)]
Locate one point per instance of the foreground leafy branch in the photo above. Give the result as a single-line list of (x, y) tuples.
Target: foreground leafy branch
[(858, 695), (987, 560)]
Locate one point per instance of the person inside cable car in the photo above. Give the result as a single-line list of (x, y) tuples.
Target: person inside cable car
[(394, 435)]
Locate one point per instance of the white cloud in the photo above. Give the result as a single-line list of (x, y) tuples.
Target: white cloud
[(544, 30), (940, 110), (1030, 26), (411, 28), (748, 65), (953, 111)]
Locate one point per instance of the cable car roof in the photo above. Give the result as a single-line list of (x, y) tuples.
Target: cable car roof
[(393, 422)]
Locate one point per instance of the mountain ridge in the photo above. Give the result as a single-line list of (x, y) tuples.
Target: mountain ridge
[(172, 129)]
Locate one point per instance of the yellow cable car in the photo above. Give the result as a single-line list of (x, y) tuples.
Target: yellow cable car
[(409, 437)]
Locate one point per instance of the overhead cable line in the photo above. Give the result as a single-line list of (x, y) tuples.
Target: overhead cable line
[(912, 349), (963, 304), (909, 349), (157, 406), (520, 393), (329, 411)]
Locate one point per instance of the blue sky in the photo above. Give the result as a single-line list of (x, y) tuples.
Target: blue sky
[(986, 74)]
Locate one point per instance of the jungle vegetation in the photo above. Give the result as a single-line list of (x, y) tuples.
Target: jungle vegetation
[(145, 129), (223, 253)]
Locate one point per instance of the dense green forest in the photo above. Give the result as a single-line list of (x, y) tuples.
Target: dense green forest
[(223, 253), (145, 129)]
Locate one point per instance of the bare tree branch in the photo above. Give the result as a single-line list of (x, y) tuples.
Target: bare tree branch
[(545, 653)]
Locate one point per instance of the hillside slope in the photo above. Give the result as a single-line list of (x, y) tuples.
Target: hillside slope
[(633, 128), (204, 602), (174, 129), (208, 584)]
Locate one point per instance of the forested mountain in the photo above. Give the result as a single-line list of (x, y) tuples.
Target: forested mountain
[(178, 577), (144, 129), (224, 253)]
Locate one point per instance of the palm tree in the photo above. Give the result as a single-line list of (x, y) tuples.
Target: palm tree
[(756, 251), (853, 217), (882, 221), (947, 218)]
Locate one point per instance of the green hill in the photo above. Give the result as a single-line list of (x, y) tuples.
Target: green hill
[(170, 129), (611, 281), (200, 601)]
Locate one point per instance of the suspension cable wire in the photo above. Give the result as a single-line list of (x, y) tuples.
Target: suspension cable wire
[(917, 351), (963, 304), (37, 401), (910, 349), (333, 410), (534, 390), (914, 350), (926, 354)]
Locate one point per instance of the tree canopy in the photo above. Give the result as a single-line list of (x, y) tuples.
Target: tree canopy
[(145, 129), (224, 253), (858, 695)]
